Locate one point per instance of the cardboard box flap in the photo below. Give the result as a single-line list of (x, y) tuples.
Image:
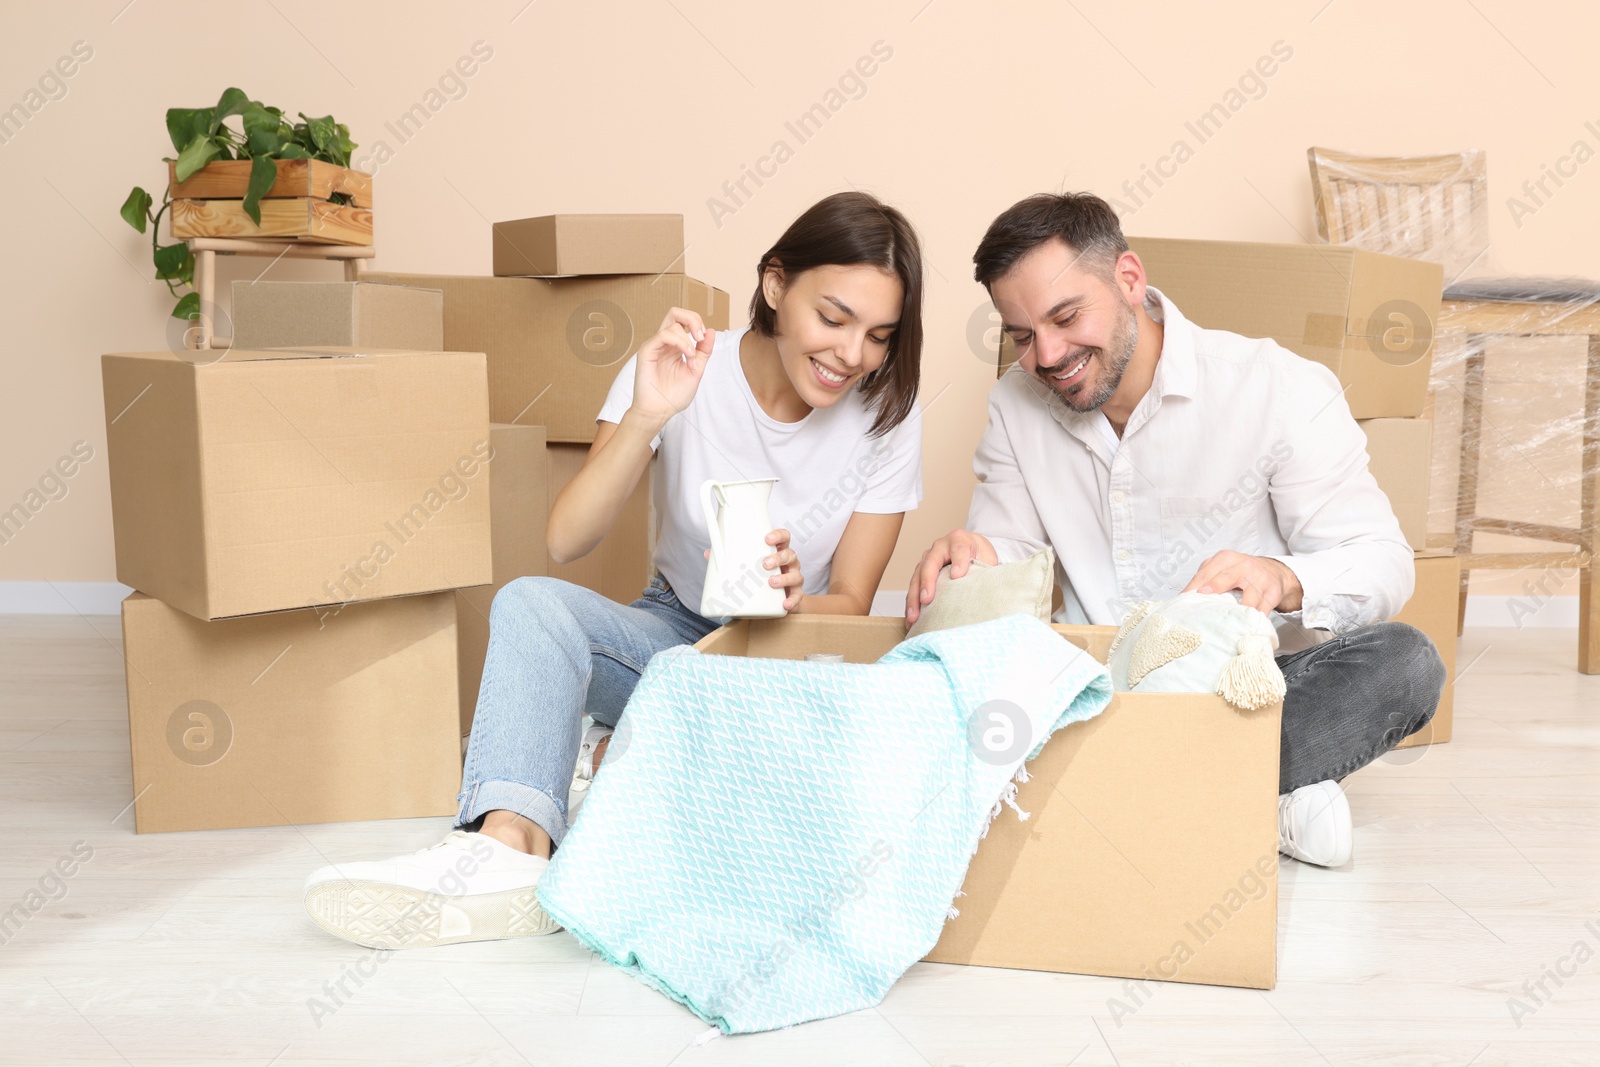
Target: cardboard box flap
[(1390, 293)]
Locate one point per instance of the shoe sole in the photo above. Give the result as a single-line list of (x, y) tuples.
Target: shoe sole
[(383, 915)]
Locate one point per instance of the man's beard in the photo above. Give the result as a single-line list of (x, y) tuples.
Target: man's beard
[(1114, 358)]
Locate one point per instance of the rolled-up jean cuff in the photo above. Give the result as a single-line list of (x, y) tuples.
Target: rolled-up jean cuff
[(480, 798)]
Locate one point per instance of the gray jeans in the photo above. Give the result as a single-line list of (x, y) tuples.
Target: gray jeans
[(1353, 698)]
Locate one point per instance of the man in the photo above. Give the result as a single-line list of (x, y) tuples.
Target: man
[(1158, 457)]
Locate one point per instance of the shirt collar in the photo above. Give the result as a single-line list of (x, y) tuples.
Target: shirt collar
[(1175, 372)]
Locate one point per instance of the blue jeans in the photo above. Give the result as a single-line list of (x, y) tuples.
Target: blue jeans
[(556, 651), (1353, 698)]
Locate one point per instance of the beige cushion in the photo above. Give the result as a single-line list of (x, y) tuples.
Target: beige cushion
[(986, 593)]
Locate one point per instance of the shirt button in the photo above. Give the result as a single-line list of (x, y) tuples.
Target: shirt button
[(1119, 496), (1122, 553)]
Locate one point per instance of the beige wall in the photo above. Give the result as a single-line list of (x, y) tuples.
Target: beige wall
[(647, 106)]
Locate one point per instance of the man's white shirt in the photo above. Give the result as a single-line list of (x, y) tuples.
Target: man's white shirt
[(1238, 444)]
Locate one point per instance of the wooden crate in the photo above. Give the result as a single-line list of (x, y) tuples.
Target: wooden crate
[(303, 218), (224, 179)]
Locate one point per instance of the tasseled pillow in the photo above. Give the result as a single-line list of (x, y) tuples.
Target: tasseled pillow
[(1199, 643)]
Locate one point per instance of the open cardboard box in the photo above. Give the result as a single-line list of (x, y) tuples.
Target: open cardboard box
[(1370, 318), (1152, 850)]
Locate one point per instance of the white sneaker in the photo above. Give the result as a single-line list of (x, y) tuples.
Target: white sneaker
[(583, 773), (1314, 825), (469, 887)]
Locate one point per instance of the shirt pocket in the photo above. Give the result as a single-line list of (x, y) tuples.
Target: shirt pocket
[(1206, 525)]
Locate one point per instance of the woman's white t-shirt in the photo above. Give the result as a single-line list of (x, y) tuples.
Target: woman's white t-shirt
[(826, 465)]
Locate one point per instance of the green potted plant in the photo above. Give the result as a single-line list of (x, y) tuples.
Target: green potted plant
[(202, 137)]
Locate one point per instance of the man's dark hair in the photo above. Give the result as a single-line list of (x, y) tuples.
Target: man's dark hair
[(1084, 221), (844, 230)]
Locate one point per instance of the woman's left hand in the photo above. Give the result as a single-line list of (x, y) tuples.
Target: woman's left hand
[(787, 564)]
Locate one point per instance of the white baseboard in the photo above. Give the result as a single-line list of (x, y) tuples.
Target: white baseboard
[(62, 598), (1556, 612), (1559, 612)]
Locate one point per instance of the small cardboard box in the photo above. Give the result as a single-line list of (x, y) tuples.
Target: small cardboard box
[(264, 481), (1152, 847), (563, 245), (620, 566), (293, 314), (1370, 318), (291, 718), (1432, 609), (556, 345), (1400, 456), (519, 509)]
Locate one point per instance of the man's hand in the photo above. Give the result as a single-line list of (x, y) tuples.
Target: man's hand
[(957, 548), (1266, 583)]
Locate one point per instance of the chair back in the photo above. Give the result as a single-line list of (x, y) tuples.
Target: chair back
[(1421, 207)]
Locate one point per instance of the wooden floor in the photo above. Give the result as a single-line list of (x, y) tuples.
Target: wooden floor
[(1477, 867)]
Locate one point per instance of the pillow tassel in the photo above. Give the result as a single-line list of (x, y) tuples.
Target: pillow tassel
[(1252, 679)]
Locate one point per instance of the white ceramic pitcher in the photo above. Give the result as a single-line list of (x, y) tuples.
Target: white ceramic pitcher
[(738, 520)]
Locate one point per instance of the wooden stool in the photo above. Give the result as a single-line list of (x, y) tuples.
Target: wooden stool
[(206, 249)]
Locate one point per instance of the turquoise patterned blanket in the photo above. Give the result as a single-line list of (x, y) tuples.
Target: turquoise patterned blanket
[(775, 841)]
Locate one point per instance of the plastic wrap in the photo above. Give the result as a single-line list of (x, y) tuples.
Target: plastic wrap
[(1516, 362)]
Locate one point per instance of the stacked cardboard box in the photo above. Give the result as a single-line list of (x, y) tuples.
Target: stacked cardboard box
[(294, 521)]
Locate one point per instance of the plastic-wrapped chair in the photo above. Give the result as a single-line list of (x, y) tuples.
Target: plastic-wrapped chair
[(1436, 208)]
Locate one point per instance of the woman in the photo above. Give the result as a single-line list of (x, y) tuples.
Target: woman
[(819, 392)]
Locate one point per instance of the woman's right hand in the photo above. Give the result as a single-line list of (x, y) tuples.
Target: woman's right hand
[(669, 366)]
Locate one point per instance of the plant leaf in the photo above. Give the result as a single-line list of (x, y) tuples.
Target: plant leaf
[(188, 307), (264, 129), (263, 172), (136, 209), (174, 261), (183, 123), (346, 145), (232, 102), (322, 131), (196, 154), (293, 151)]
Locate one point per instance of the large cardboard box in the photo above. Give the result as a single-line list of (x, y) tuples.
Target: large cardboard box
[(1152, 850), (1432, 609), (1400, 456), (556, 344), (620, 566), (556, 245), (519, 509), (291, 314), (1370, 318), (263, 481), (291, 718)]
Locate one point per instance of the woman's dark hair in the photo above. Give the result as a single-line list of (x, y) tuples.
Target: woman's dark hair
[(843, 230), (1085, 222)]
